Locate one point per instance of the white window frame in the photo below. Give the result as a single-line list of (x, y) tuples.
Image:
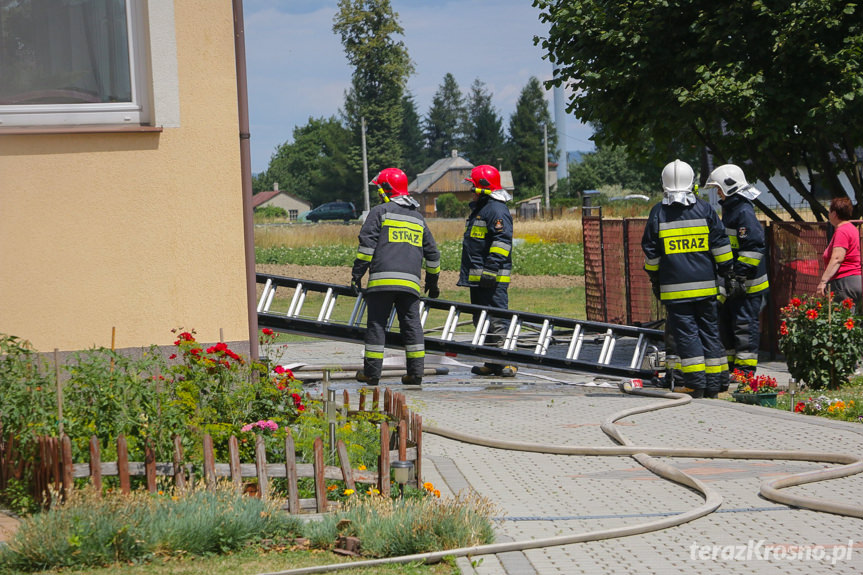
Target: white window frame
[(137, 112)]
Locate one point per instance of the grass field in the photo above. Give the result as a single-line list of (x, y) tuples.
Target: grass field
[(253, 561)]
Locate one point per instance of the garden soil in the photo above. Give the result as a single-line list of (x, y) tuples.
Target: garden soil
[(342, 276)]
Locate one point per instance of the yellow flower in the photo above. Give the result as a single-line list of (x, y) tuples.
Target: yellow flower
[(349, 491), (362, 467), (373, 491), (428, 485)]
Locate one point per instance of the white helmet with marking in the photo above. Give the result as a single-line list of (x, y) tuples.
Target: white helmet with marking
[(730, 179), (677, 181)]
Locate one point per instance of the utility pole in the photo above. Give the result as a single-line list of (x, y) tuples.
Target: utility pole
[(545, 164), (365, 167)]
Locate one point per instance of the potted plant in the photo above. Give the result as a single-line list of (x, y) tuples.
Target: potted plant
[(754, 389)]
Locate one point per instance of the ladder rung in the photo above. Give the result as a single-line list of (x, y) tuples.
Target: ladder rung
[(267, 286), (322, 314)]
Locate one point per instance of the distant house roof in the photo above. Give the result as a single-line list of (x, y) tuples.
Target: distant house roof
[(449, 173), (530, 200), (262, 198), (438, 171)]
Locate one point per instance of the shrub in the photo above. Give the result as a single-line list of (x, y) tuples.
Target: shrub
[(448, 206), (93, 531), (394, 527), (270, 212), (822, 341), (27, 404)]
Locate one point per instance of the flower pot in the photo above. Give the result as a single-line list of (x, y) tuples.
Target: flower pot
[(765, 399)]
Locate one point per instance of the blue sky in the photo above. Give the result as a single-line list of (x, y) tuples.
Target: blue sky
[(297, 68)]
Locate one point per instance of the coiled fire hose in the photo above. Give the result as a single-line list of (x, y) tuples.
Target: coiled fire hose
[(770, 489)]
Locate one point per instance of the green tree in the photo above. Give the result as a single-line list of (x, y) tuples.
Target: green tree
[(610, 166), (526, 146), (382, 66), (415, 158), (444, 124), (314, 166), (773, 85), (484, 140)]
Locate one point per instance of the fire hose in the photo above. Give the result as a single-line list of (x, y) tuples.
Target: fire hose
[(770, 489)]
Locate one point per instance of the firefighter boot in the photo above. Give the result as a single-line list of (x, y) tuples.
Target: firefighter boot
[(362, 377), (411, 380)]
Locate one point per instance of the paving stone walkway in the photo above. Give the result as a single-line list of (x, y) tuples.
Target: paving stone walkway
[(541, 496)]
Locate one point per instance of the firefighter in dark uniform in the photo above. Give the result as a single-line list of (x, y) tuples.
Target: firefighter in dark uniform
[(486, 257), (684, 245), (393, 243), (745, 290)]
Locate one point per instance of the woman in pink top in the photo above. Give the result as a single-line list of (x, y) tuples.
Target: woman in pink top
[(842, 256)]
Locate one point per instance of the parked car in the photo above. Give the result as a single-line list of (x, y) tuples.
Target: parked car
[(629, 197), (333, 211)]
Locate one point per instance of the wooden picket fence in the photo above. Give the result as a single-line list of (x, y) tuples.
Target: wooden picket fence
[(50, 468)]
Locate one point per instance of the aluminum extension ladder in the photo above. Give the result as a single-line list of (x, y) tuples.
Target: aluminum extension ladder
[(531, 339)]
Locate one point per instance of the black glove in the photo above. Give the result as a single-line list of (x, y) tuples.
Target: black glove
[(741, 286), (487, 280), (431, 286), (730, 287), (654, 285), (356, 286)]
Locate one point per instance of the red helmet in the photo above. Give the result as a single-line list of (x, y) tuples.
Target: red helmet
[(485, 179), (392, 181)]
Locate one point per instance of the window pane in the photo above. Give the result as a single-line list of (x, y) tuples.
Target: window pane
[(64, 52)]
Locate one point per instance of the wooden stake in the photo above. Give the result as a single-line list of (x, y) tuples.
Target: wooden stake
[(59, 391)]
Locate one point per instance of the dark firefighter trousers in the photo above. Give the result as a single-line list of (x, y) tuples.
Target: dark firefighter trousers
[(700, 361), (492, 297), (741, 331), (379, 306)]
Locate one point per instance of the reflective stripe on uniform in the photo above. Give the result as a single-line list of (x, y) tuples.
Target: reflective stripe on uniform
[(393, 282), (501, 248), (651, 264), (715, 365), (365, 253), (374, 351), (394, 279), (722, 254), (688, 290), (692, 364), (683, 228), (415, 350), (746, 358), (433, 267), (751, 258), (403, 221), (757, 284)]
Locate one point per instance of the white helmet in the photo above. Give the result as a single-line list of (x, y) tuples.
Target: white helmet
[(729, 178), (677, 177)]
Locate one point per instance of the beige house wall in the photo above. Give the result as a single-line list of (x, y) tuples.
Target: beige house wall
[(141, 231)]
